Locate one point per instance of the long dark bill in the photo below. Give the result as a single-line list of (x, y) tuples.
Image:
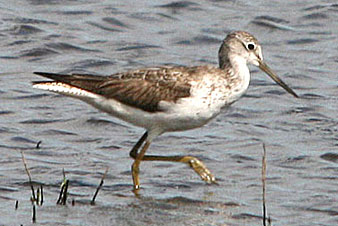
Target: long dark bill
[(272, 75)]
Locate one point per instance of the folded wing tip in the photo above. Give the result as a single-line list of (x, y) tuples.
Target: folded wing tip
[(65, 89)]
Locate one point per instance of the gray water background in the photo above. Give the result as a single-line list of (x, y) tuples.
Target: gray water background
[(299, 40)]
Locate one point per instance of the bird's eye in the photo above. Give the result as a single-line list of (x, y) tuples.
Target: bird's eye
[(251, 46)]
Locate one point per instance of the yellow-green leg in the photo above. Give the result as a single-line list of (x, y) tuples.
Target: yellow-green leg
[(196, 164), (135, 167)]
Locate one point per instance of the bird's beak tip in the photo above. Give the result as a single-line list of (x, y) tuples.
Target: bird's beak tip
[(264, 67)]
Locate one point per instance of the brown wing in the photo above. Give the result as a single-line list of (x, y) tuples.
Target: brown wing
[(144, 94), (142, 89)]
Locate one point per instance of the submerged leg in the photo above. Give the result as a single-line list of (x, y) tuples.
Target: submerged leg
[(135, 167), (196, 164)]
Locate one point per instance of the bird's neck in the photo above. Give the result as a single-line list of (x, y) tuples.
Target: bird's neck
[(238, 72), (238, 67)]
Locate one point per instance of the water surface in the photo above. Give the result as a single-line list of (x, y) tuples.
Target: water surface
[(301, 135)]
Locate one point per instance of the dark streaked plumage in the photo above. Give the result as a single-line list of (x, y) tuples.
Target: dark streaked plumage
[(143, 88)]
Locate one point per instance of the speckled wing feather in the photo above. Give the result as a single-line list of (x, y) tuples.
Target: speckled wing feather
[(142, 89)]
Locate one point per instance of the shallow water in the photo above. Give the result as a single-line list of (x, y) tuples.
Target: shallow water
[(301, 135)]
